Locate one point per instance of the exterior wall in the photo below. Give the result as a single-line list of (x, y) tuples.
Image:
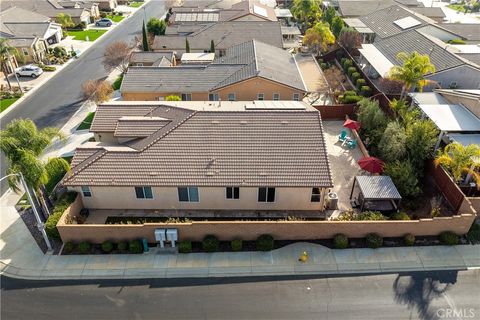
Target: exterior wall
[(166, 198), (106, 137), (465, 76)]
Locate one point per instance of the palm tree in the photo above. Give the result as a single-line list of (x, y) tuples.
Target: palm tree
[(412, 71), (6, 53), (319, 37), (22, 143), (460, 160)]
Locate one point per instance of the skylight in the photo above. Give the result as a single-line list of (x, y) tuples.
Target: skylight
[(407, 22), (260, 11)]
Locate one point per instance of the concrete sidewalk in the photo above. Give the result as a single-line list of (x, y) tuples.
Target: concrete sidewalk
[(22, 258)]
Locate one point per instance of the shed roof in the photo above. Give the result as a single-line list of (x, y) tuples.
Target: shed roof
[(465, 139), (451, 117), (377, 188), (376, 59)]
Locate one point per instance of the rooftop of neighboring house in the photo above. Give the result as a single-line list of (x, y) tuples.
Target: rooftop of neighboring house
[(224, 35), (467, 31), (431, 12), (358, 8), (250, 144), (243, 61), (154, 58), (17, 14), (49, 8), (393, 20)]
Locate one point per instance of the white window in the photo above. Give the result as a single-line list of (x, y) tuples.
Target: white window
[(232, 192), (213, 97), (315, 195), (188, 194), (276, 96), (87, 193), (139, 64), (231, 97), (144, 192), (296, 97), (25, 51), (260, 96), (266, 194), (186, 97)]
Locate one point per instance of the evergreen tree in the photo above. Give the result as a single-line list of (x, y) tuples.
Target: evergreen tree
[(144, 38), (187, 46), (212, 47)]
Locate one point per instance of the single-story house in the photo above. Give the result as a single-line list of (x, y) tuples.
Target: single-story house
[(192, 158), (223, 34), (248, 71)]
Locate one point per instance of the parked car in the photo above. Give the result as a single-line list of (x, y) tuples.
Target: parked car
[(104, 22), (29, 71)]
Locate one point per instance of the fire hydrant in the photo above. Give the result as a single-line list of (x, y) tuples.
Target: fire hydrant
[(303, 257)]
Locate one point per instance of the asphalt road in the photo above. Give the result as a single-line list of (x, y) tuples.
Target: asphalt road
[(436, 295), (59, 98)]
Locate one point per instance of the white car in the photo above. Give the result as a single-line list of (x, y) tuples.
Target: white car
[(29, 71)]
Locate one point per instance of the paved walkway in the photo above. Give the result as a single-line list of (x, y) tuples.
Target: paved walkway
[(21, 257), (311, 73)]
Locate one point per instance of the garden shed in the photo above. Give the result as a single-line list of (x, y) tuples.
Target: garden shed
[(376, 193)]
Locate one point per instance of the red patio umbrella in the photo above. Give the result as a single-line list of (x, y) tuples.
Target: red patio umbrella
[(351, 124), (371, 164)]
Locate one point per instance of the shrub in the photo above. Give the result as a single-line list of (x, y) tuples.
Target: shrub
[(236, 244), (404, 178), (355, 77), (374, 240), (370, 215), (118, 82), (107, 246), (347, 64), (360, 83), (473, 234), (351, 70), (264, 242), (135, 246), (399, 216), (323, 65), (185, 246), (449, 238), (210, 243), (59, 52), (103, 14), (351, 99), (392, 146), (342, 61), (47, 68), (51, 225), (365, 91), (456, 41), (120, 13), (373, 120), (68, 247), (340, 241), (122, 246), (409, 239), (349, 93), (84, 247)]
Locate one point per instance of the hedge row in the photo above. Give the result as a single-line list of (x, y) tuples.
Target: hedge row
[(85, 247), (211, 243), (363, 90)]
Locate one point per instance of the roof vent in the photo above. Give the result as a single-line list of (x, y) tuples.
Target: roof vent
[(284, 122), (263, 174), (215, 122), (243, 122), (153, 173)]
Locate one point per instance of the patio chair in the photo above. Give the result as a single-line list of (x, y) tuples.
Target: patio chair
[(352, 144), (342, 136)]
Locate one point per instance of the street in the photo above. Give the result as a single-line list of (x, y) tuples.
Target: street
[(432, 295), (59, 98)]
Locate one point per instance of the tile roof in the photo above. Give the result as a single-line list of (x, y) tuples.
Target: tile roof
[(216, 148), (362, 8), (468, 31), (472, 57), (49, 8), (413, 40), (224, 35), (382, 22), (431, 12), (27, 29), (139, 126), (16, 14), (243, 61), (150, 57)]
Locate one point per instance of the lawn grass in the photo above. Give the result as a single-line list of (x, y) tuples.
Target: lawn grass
[(5, 103), (82, 35), (87, 122), (115, 18), (118, 82), (457, 7), (135, 4)]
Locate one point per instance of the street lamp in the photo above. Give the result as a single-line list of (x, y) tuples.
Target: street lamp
[(41, 225)]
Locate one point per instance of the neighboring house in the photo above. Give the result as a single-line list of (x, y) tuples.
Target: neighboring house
[(223, 34), (149, 59), (452, 71), (249, 71), (434, 13), (358, 8), (104, 5), (31, 33), (196, 158), (85, 11), (468, 32)]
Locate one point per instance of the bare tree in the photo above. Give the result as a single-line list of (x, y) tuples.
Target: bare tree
[(350, 38), (116, 56), (97, 90)]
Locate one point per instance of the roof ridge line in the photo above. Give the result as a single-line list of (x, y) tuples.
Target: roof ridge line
[(83, 165)]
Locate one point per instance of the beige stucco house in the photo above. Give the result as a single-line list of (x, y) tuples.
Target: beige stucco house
[(199, 158)]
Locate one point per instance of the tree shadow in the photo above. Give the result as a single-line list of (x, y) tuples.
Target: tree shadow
[(417, 291)]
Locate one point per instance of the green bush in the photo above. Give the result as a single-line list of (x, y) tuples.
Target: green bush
[(370, 215), (393, 144), (355, 77), (210, 243), (122, 246), (399, 216), (340, 241), (236, 244), (404, 178), (373, 120), (409, 239), (185, 246), (84, 247), (118, 82), (473, 234), (264, 242), (103, 14), (135, 246), (347, 64), (47, 68), (360, 83), (374, 240), (107, 246), (342, 61), (449, 238), (365, 91), (349, 93), (351, 99), (56, 169), (456, 41), (59, 52), (351, 70), (120, 13), (51, 225), (68, 247), (323, 65)]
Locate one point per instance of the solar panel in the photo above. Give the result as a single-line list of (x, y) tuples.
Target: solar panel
[(407, 22)]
